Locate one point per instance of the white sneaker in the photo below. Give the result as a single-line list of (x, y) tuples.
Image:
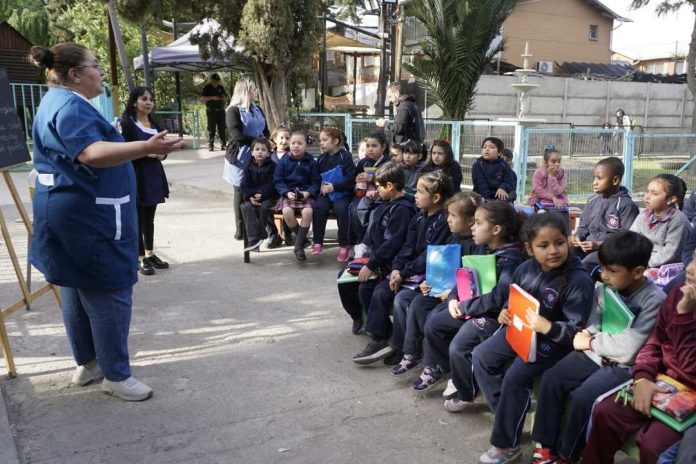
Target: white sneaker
[(128, 390), (360, 250), (501, 455), (450, 390), (84, 375)]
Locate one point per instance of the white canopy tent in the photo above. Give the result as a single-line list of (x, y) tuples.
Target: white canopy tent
[(182, 55)]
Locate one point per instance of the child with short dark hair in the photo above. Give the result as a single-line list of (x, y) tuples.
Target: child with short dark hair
[(428, 227), (297, 181), (442, 159), (507, 156), (396, 152), (549, 181), (662, 221), (455, 327), (411, 161), (601, 361), (385, 236), (670, 350), (333, 156), (258, 193), (563, 288), (607, 212), (492, 177)]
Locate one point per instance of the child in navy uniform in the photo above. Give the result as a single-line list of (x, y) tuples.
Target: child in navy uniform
[(442, 159), (411, 154), (492, 176), (333, 155), (564, 290), (258, 193), (601, 361), (428, 227), (297, 181), (385, 236), (456, 327), (608, 211)]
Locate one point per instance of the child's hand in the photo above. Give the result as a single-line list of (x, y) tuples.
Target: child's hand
[(305, 194), (395, 281), (371, 195), (688, 301), (444, 295), (552, 170), (573, 240), (425, 288), (454, 309), (537, 323), (501, 194), (291, 196), (587, 246), (504, 317), (558, 203), (254, 201), (327, 188), (362, 177), (364, 274), (643, 391), (581, 341), (257, 197)]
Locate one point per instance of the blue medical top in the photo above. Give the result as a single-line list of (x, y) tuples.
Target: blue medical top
[(85, 227)]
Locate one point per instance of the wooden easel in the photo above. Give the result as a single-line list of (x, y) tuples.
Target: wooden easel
[(27, 296)]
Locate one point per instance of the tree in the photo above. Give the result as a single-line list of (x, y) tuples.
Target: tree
[(29, 17), (667, 6), (456, 49)]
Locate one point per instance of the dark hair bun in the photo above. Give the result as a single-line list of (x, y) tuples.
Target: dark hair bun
[(41, 57)]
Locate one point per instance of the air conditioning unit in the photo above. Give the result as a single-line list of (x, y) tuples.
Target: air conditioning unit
[(545, 67)]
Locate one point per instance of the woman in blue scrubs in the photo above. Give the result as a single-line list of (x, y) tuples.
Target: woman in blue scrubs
[(85, 230)]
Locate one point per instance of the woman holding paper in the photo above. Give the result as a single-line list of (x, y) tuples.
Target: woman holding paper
[(85, 233)]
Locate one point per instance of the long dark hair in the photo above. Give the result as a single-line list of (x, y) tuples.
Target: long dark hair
[(446, 165), (503, 214), (131, 112)]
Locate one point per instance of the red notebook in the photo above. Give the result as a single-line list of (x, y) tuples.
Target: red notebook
[(521, 338)]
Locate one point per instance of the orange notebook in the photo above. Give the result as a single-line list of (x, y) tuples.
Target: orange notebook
[(521, 338)]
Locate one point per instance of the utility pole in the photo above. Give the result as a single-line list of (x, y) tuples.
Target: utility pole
[(384, 61), (113, 64), (113, 20)]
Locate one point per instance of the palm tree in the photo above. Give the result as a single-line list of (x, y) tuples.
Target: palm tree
[(456, 49)]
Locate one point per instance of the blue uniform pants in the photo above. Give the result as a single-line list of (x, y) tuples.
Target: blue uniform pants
[(379, 306), (580, 380), (411, 322), (402, 302), (508, 390), (322, 206), (356, 296), (97, 324)]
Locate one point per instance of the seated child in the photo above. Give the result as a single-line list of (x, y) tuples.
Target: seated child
[(396, 152), (602, 360), (366, 198), (492, 177), (563, 288), (411, 161), (460, 217), (671, 350), (428, 227), (507, 156), (548, 182), (385, 237), (689, 209), (662, 221), (332, 156), (297, 181), (607, 212), (258, 193), (281, 139), (442, 159), (455, 327)]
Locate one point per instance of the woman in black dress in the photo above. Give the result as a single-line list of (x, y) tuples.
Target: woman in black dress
[(152, 187)]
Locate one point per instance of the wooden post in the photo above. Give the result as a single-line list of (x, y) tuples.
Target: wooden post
[(114, 65)]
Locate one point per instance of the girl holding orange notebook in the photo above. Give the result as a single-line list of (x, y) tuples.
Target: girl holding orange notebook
[(563, 288)]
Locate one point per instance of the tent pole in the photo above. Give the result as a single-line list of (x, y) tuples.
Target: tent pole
[(146, 59), (177, 83)]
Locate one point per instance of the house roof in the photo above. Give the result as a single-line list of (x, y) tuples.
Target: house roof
[(606, 11), (16, 35), (597, 70)]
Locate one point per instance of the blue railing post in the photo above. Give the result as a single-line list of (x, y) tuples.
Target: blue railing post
[(348, 130), (628, 155), (196, 131), (520, 159)]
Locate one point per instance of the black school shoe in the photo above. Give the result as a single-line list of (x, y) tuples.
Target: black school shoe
[(300, 255), (394, 358), (374, 351), (274, 241), (158, 263), (145, 266), (357, 327)]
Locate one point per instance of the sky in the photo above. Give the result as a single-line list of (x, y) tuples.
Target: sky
[(650, 36)]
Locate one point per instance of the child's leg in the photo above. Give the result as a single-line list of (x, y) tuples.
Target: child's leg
[(378, 324), (415, 325), (470, 335), (321, 208), (516, 397), (251, 222), (581, 401), (404, 301), (340, 207), (490, 359), (266, 215), (302, 231), (350, 299), (289, 218), (654, 439), (439, 332), (306, 220), (557, 384)]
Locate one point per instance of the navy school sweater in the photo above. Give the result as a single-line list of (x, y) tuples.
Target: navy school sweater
[(454, 172), (423, 230), (602, 217), (387, 231), (568, 308), (368, 162), (488, 176), (342, 158), (302, 174), (259, 179), (507, 260)]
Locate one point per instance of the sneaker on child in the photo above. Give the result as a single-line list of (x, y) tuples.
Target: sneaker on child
[(254, 246), (545, 456), (430, 377), (128, 390), (374, 351), (456, 405), (343, 253), (274, 241), (394, 358), (496, 455), (317, 248), (450, 390), (87, 373), (407, 363)]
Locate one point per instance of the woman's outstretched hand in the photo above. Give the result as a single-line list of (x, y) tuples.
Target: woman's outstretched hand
[(159, 146)]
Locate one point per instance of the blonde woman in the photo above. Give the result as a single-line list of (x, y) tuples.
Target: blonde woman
[(245, 122)]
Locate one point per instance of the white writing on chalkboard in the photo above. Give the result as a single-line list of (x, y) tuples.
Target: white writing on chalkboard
[(13, 147)]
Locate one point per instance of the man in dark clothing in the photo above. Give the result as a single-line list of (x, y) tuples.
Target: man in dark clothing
[(213, 96), (408, 123)]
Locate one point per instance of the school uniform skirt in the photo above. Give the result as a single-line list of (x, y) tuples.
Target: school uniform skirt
[(295, 204)]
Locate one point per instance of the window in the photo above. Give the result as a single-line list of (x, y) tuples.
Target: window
[(680, 67), (594, 31)]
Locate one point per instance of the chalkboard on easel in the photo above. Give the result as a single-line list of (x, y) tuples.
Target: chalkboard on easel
[(13, 145)]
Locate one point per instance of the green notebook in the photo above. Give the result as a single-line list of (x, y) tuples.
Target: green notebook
[(485, 270), (679, 426), (616, 317), (347, 277)]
